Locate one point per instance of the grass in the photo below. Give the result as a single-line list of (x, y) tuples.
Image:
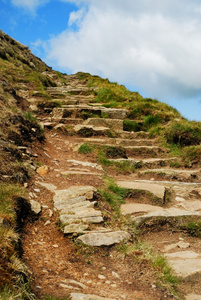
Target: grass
[(113, 194), (85, 148), (8, 192)]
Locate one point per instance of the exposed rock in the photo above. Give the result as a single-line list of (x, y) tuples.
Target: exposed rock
[(101, 239), (193, 297), (77, 296), (185, 267), (182, 254), (44, 170), (134, 208), (85, 164), (114, 124), (73, 192), (35, 207), (166, 213), (48, 186), (75, 228), (155, 189)]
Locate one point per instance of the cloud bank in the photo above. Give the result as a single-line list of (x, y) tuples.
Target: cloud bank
[(154, 45)]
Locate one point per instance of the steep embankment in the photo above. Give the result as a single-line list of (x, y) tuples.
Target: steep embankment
[(97, 184)]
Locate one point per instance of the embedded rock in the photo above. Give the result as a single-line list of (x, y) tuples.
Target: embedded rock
[(104, 239), (35, 207)]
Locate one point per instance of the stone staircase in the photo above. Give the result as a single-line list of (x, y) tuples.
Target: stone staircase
[(178, 190)]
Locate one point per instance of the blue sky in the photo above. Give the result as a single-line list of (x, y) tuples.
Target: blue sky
[(150, 46)]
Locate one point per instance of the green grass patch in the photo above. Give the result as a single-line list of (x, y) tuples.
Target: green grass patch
[(85, 148), (8, 192), (113, 194)]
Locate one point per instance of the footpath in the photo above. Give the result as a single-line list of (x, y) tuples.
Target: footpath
[(76, 247)]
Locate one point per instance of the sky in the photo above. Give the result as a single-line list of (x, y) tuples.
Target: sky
[(150, 46)]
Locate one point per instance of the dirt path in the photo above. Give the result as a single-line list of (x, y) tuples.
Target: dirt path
[(54, 260)]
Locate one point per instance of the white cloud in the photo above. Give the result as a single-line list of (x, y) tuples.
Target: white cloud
[(152, 44), (31, 5)]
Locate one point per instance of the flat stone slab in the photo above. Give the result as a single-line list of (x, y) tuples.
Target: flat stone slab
[(191, 205), (85, 164), (167, 213), (134, 208), (73, 192), (155, 189), (193, 297), (65, 173), (182, 254), (78, 296), (104, 239), (114, 124), (75, 228), (185, 267), (48, 186)]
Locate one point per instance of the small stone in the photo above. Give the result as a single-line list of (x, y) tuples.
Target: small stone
[(114, 274), (37, 190), (55, 246), (114, 285), (183, 245), (47, 223), (104, 268), (35, 207), (153, 286), (25, 184), (108, 282), (101, 277), (43, 170)]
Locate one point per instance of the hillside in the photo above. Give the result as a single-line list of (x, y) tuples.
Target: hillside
[(100, 194)]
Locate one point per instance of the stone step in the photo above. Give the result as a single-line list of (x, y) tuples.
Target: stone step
[(89, 130), (98, 239), (156, 189), (148, 163), (118, 141), (79, 296), (174, 174), (86, 111), (114, 124), (74, 208)]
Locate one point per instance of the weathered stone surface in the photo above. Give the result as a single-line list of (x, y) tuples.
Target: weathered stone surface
[(101, 130), (75, 228), (191, 205), (132, 208), (193, 297), (182, 254), (35, 207), (167, 213), (73, 192), (78, 296), (155, 189), (81, 215), (85, 164), (65, 203), (114, 124), (48, 186), (87, 172), (101, 239), (43, 170), (185, 267)]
